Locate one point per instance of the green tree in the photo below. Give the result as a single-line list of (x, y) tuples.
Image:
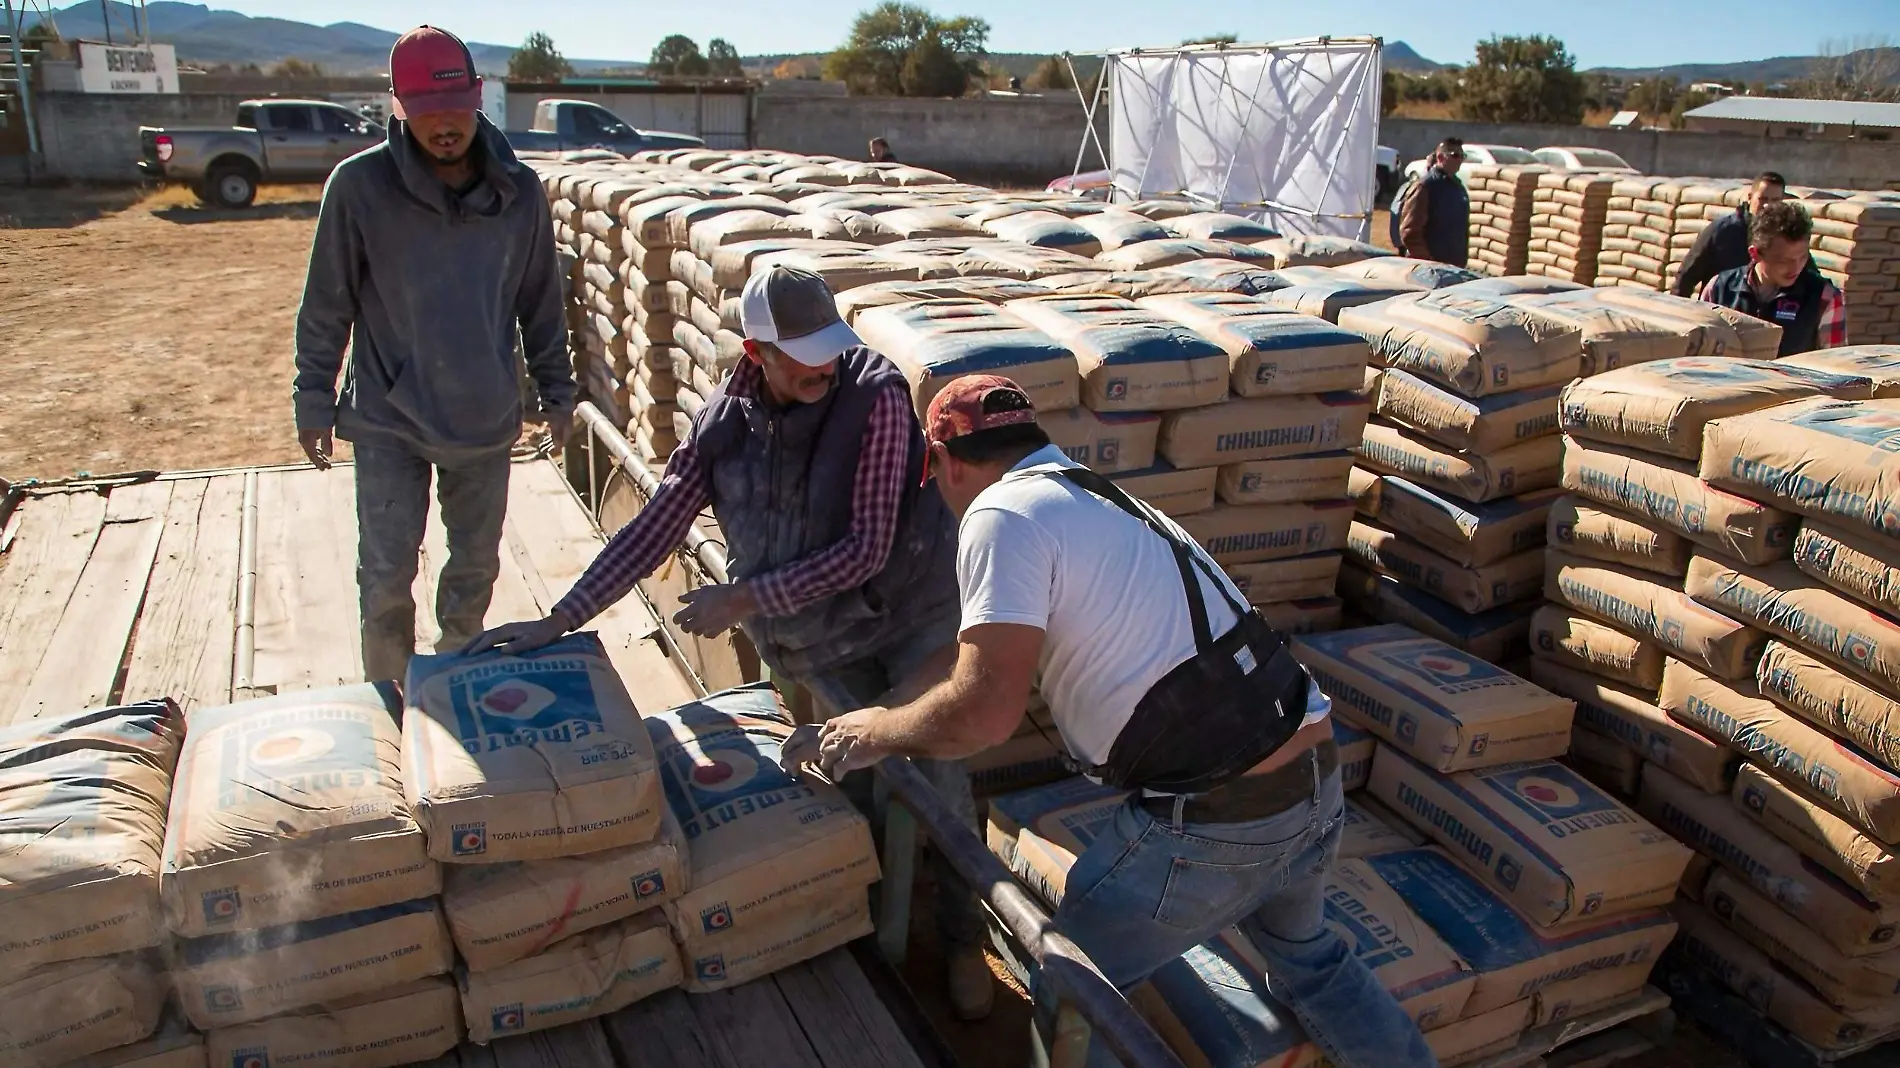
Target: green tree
[(1655, 97), (1521, 79), (1218, 38), (678, 54), (876, 59), (723, 60), (1051, 73), (294, 67), (537, 60)]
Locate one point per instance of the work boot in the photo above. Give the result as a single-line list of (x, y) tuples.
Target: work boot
[(972, 988)]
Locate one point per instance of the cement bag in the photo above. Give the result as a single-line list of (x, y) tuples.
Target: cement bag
[(1532, 465), (777, 865), (1130, 358), (1613, 336), (1217, 226), (1774, 993), (82, 820), (72, 1009), (1114, 228), (1296, 579), (1170, 490), (1317, 477), (1443, 706), (1608, 763), (990, 290), (1818, 834), (590, 974), (1857, 983), (173, 1045), (500, 913), (1716, 334), (1581, 644), (1494, 636), (844, 225), (731, 264), (1476, 347), (1827, 698), (291, 808), (646, 221), (1781, 600), (1355, 755), (1425, 274), (935, 342), (1516, 285), (1366, 488), (1469, 535), (1583, 529), (237, 978), (1485, 425), (1017, 261), (1309, 616), (1834, 460), (1226, 276), (382, 1029), (527, 757), (1854, 563), (1133, 285), (1263, 428), (1149, 255), (1835, 776), (1104, 442), (1662, 406), (1512, 957), (1472, 589), (1369, 828), (1879, 364), (1318, 250), (1038, 833), (1251, 534), (681, 220), (1637, 721), (1045, 229), (1273, 352), (1329, 296), (850, 268), (1667, 492), (734, 227), (1638, 603)]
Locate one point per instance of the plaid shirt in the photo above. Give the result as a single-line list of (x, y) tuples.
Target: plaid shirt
[(1831, 331), (876, 492)]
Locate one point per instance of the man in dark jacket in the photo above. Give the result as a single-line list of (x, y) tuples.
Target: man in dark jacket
[(430, 249), (1434, 220), (1781, 285), (1723, 244), (843, 559)]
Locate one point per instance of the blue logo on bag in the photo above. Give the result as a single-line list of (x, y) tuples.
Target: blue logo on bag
[(524, 702), (222, 906), (716, 919), (468, 839), (220, 998), (505, 1018), (255, 1057), (648, 884), (1444, 668), (1877, 428), (710, 969), (1509, 870)]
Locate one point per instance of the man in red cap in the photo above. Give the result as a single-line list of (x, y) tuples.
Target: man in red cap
[(1162, 681), (433, 251)]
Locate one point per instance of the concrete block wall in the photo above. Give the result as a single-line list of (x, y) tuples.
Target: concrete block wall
[(89, 137), (1025, 141)]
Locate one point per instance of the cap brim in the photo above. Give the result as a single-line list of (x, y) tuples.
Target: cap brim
[(822, 346), (414, 104)]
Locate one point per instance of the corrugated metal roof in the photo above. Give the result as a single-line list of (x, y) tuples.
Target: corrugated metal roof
[(1803, 112)]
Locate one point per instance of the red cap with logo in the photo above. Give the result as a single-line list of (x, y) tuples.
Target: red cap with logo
[(972, 404), (430, 71)]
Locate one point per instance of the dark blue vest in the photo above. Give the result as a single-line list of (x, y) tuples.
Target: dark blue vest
[(781, 488), (1797, 309)]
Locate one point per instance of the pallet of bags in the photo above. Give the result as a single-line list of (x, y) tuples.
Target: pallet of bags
[(1856, 245), (1637, 223), (1567, 217), (1698, 202), (1502, 203)]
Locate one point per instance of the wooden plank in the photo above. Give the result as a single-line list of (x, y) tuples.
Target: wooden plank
[(842, 1016), (753, 1026), (662, 1032), (80, 666), (56, 537), (307, 633), (474, 1056), (186, 632), (576, 1045)]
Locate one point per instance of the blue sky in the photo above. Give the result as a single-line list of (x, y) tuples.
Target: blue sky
[(1611, 33)]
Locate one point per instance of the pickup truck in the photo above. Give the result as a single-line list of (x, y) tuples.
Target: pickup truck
[(562, 125), (274, 141)]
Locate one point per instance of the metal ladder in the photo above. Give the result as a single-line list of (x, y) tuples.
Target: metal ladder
[(16, 67)]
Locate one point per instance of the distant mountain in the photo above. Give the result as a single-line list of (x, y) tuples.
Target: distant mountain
[(1781, 69), (1402, 57)]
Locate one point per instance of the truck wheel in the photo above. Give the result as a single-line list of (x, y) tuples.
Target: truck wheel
[(230, 185)]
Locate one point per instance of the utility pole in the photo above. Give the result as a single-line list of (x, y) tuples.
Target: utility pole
[(105, 18)]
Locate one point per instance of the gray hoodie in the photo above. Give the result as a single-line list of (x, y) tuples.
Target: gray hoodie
[(425, 288)]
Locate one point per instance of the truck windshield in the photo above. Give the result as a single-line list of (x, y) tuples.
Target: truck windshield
[(247, 118)]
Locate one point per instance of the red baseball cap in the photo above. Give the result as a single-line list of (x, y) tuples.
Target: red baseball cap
[(972, 404), (430, 71)]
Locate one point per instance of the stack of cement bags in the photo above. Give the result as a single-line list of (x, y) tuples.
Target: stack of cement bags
[(1567, 217), (82, 815), (1637, 223), (1502, 202), (1698, 202), (1856, 244)]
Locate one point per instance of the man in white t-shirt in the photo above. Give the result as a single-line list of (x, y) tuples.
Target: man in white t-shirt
[(1067, 582)]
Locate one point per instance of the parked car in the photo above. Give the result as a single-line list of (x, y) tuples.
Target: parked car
[(270, 141), (1584, 159), (1386, 173), (564, 125), (1488, 155)]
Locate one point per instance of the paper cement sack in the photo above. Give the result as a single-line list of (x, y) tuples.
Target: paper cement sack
[(1170, 490), (1263, 428), (1814, 896), (1661, 407), (1782, 600), (1039, 833), (1852, 562), (1513, 957), (1297, 578), (381, 1029), (1841, 980), (1481, 1035), (173, 1045), (1443, 706), (1568, 640), (1582, 528), (245, 976), (935, 342), (1638, 722), (1474, 345), (1258, 532), (1831, 700), (1104, 442), (1828, 772), (1370, 828), (1495, 636), (1272, 351), (1131, 359), (764, 849), (1668, 493), (1818, 834), (1532, 465), (82, 818), (1644, 604), (587, 975), (1605, 761), (1366, 488), (527, 757), (787, 937), (1877, 363), (1514, 578), (1558, 849), (1570, 998), (502, 912), (1472, 535), (1402, 951), (1355, 754), (1482, 426), (1751, 973), (1833, 460), (1612, 336), (68, 1010), (291, 808), (1318, 477)]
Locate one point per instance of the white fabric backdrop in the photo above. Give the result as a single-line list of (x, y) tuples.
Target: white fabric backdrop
[(1285, 133)]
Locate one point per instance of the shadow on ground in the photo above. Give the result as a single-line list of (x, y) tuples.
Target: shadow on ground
[(33, 209), (198, 213)]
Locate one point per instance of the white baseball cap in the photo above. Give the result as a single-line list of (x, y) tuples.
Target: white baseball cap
[(793, 308)]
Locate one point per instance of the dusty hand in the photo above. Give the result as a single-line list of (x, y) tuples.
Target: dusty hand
[(800, 751), (513, 639), (317, 444), (559, 427), (845, 745), (713, 610)]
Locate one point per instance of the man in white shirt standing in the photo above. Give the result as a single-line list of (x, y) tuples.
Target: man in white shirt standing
[(1161, 679)]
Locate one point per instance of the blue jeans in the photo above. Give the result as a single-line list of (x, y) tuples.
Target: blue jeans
[(1146, 891)]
